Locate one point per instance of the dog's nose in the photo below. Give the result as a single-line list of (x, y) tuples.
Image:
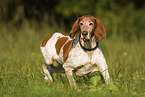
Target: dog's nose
[(84, 33)]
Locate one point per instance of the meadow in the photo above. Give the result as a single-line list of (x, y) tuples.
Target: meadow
[(21, 64)]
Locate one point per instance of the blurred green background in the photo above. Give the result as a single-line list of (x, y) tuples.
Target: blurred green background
[(123, 19)]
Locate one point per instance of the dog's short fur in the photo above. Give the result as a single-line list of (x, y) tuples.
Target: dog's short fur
[(82, 54)]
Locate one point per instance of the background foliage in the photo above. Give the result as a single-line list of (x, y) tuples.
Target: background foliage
[(116, 14)]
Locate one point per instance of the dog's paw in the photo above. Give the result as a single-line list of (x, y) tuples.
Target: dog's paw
[(46, 79)]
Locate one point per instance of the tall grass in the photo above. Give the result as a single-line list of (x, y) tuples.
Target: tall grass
[(21, 73)]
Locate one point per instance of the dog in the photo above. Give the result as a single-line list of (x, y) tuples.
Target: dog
[(81, 55)]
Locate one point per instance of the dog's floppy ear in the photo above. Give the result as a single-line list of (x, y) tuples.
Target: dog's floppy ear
[(99, 30), (75, 28)]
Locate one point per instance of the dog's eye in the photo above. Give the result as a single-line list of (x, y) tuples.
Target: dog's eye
[(91, 24), (81, 24)]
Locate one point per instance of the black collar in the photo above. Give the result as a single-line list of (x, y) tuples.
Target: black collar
[(88, 49)]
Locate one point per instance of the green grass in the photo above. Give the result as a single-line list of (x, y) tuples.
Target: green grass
[(21, 67)]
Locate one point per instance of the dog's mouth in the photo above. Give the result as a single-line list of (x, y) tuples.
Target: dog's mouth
[(85, 39)]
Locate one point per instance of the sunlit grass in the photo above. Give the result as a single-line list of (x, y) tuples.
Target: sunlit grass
[(21, 67)]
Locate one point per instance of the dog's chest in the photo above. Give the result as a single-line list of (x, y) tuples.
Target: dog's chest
[(78, 57), (90, 54), (78, 53), (82, 62)]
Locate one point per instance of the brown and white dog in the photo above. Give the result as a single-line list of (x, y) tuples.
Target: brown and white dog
[(81, 55)]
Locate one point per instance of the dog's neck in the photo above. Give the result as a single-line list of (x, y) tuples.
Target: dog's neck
[(89, 44)]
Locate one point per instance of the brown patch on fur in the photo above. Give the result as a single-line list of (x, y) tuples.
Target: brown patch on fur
[(99, 30), (45, 40), (66, 49), (60, 42), (65, 34)]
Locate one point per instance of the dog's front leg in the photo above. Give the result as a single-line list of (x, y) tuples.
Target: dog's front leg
[(103, 68), (70, 77), (104, 71)]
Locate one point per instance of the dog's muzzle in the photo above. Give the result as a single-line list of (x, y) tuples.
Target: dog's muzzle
[(85, 36)]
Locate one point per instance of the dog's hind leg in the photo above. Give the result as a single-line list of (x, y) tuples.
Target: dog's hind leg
[(48, 76)]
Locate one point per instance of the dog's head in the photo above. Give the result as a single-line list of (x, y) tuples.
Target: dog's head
[(89, 26)]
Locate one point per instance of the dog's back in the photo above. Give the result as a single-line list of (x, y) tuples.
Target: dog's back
[(51, 46)]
